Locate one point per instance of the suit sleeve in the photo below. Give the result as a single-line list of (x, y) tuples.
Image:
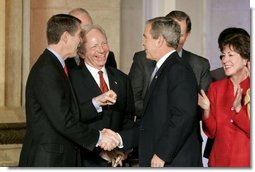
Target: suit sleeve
[(111, 62), (241, 120), (128, 121), (205, 79), (56, 99), (181, 109), (136, 77)]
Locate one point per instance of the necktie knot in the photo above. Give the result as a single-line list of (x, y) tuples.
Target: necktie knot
[(103, 85)]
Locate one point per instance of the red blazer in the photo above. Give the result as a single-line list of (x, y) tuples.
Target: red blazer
[(231, 130)]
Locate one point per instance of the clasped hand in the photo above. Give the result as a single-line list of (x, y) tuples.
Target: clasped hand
[(109, 140), (107, 98), (115, 157)]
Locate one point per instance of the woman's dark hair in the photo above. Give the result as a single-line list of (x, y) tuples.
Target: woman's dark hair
[(237, 39)]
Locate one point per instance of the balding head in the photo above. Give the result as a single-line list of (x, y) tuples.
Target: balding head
[(82, 15)]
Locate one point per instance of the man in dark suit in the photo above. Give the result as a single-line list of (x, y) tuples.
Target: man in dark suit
[(55, 135), (144, 67), (168, 134), (199, 65), (86, 19), (86, 83), (139, 75)]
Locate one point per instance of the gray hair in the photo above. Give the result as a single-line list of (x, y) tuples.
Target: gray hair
[(80, 11), (85, 30), (166, 27)]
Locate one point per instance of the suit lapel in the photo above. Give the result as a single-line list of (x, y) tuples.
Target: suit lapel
[(60, 69), (167, 63), (112, 80), (187, 57), (89, 80)]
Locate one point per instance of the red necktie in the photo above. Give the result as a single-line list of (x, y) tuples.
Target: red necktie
[(66, 71), (103, 85)]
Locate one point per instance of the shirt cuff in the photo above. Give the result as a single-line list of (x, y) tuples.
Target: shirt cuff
[(121, 142), (97, 106), (99, 139)]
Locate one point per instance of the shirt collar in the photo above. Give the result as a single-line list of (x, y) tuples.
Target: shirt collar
[(163, 59), (60, 59), (94, 71), (180, 53)]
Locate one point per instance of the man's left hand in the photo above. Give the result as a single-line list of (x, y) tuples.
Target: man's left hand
[(157, 162)]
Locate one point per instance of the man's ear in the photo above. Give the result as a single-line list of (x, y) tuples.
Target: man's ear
[(188, 34), (160, 41), (64, 36)]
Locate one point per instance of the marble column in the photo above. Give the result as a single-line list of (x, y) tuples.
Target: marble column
[(2, 52), (13, 60)]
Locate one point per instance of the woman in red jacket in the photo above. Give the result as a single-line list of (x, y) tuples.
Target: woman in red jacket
[(225, 116)]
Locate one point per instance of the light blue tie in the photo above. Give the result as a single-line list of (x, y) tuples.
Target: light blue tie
[(153, 73)]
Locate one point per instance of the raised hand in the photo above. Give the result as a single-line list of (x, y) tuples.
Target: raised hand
[(157, 162), (107, 98), (238, 97), (203, 100), (109, 140), (204, 103)]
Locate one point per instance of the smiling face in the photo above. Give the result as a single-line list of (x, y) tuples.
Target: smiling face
[(232, 62), (96, 48)]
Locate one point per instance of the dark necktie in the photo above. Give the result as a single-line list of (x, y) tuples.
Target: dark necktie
[(66, 71), (103, 85)]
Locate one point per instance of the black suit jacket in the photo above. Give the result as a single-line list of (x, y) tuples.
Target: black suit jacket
[(142, 69), (169, 127), (54, 133), (200, 67), (218, 74), (139, 74), (116, 117)]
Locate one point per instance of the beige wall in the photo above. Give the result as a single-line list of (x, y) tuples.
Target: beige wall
[(135, 13), (105, 13), (132, 22), (195, 10), (11, 53)]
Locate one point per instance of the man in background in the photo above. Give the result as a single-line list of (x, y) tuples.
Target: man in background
[(86, 19)]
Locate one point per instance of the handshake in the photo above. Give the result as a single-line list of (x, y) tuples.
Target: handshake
[(108, 141)]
